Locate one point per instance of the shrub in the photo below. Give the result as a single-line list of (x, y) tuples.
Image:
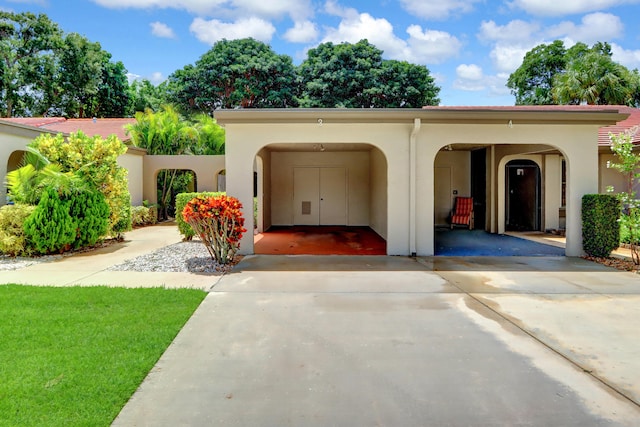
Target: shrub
[(181, 201), (144, 215), (90, 212), (50, 228), (12, 238), (95, 160), (219, 223), (600, 226)]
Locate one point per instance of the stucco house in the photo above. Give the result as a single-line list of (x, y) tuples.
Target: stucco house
[(397, 171)]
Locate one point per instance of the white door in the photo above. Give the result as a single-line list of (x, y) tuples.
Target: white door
[(319, 196)]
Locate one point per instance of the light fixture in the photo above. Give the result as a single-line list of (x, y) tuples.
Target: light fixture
[(510, 124), (321, 147)]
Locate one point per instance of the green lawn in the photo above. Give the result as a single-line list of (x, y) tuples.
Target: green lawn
[(74, 356)]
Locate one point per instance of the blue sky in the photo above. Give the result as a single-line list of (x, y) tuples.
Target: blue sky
[(470, 46)]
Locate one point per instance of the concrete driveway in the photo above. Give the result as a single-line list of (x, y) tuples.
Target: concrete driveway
[(392, 341)]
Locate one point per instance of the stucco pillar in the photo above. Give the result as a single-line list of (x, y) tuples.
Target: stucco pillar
[(582, 178), (239, 167), (552, 191)]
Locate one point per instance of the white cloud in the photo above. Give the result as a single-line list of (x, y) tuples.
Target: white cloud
[(507, 58), (302, 32), (160, 29), (422, 46), (566, 7), (515, 31), (440, 9), (157, 78), (214, 30), (430, 46), (628, 58), (469, 78), (594, 27)]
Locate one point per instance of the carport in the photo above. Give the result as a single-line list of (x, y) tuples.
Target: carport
[(382, 164)]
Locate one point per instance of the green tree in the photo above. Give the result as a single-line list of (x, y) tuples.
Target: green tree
[(339, 75), (144, 96), (50, 228), (595, 79), (234, 73), (401, 84), (355, 76), (113, 96), (27, 46)]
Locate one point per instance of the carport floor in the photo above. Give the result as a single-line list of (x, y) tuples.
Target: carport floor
[(463, 242), (319, 240)]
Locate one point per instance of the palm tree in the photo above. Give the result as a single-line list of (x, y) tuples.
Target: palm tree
[(595, 79)]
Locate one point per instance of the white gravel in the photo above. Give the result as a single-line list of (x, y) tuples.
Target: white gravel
[(189, 256)]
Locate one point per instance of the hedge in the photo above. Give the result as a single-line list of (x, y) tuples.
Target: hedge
[(600, 225), (181, 201)]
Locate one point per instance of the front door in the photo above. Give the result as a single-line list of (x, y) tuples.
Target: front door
[(319, 196), (523, 196)]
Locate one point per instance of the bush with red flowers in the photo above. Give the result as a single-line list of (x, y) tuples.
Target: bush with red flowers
[(219, 223)]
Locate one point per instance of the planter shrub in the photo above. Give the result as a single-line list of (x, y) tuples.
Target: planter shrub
[(181, 201), (600, 225), (218, 222), (50, 228), (12, 238), (90, 212)]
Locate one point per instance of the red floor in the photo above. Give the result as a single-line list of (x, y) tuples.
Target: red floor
[(322, 240)]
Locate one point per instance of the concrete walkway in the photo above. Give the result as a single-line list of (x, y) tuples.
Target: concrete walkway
[(344, 341)]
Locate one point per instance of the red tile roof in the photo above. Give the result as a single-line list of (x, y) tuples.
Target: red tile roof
[(631, 124), (102, 127)]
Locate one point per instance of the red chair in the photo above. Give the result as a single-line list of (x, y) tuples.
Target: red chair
[(463, 212)]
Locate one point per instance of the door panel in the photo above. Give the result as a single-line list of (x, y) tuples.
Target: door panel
[(306, 196), (333, 196), (319, 196), (523, 197)]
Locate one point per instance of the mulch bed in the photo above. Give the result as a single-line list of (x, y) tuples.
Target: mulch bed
[(619, 263)]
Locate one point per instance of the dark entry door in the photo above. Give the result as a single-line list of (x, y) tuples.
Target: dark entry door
[(479, 186), (523, 196)]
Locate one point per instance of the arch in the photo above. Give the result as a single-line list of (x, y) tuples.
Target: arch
[(362, 166), (523, 190)]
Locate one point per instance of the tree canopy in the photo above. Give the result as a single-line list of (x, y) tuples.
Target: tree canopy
[(43, 71), (552, 74), (235, 73)]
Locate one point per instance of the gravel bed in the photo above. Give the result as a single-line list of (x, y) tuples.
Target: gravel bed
[(191, 256), (15, 263)]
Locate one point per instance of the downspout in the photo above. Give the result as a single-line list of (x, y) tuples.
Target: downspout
[(412, 186)]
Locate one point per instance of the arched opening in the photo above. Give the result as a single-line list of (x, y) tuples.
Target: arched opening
[(523, 196), (170, 182), (320, 199), (515, 188)]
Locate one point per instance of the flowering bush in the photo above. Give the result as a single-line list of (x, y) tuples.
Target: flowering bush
[(219, 223)]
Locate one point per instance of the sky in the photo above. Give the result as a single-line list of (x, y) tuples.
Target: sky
[(469, 46)]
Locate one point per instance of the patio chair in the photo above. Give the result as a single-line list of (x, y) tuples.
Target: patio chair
[(463, 212)]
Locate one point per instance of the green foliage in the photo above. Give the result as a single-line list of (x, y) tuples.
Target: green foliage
[(50, 228), (94, 159), (12, 238), (244, 73), (143, 215), (90, 212), (74, 356), (600, 226), (181, 201), (28, 44), (551, 74)]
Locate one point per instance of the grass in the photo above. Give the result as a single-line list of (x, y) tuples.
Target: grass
[(74, 356)]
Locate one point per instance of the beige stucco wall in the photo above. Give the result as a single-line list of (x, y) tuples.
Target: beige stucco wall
[(379, 192), (206, 169), (245, 141), (552, 189), (132, 161)]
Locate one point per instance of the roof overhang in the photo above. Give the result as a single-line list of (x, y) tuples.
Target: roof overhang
[(599, 116)]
